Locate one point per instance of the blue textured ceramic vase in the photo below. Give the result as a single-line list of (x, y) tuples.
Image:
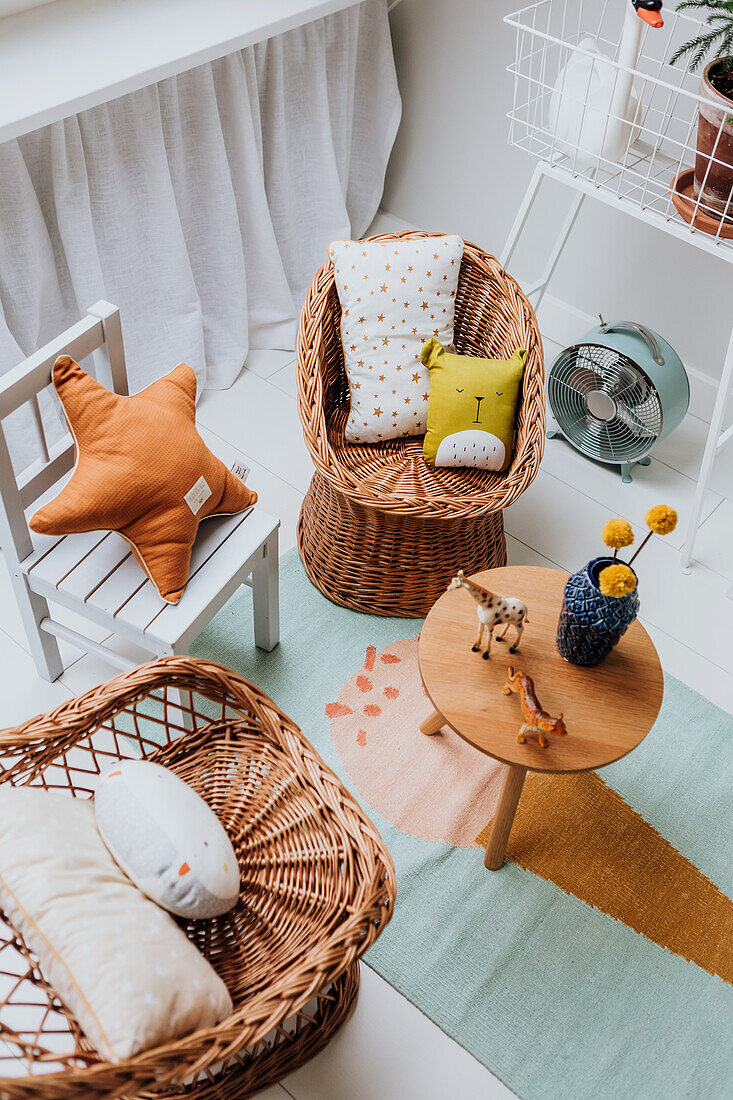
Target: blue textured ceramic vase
[(590, 623)]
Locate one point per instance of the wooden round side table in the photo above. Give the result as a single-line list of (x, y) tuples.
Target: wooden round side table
[(607, 709)]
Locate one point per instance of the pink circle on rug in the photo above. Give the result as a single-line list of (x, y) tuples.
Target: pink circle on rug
[(437, 788)]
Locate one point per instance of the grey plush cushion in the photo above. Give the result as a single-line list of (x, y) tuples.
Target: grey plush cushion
[(165, 837)]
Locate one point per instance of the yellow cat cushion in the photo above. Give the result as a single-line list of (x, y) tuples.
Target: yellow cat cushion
[(471, 408)]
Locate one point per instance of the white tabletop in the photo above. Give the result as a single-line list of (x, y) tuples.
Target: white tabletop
[(70, 55)]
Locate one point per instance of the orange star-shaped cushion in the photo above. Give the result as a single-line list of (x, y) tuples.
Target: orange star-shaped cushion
[(142, 470)]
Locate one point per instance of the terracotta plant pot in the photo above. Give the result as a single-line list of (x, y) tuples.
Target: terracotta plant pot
[(714, 160)]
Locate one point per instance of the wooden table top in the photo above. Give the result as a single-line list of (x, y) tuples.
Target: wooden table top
[(607, 709)]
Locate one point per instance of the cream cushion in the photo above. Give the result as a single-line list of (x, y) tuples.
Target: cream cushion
[(394, 296), (166, 839), (124, 968)]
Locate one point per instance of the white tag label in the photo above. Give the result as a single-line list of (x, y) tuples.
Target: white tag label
[(239, 470), (195, 498)]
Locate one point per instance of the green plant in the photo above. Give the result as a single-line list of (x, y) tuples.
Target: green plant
[(719, 37)]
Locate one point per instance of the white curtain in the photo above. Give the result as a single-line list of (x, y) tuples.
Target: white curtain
[(201, 205)]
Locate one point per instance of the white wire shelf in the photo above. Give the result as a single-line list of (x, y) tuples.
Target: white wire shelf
[(570, 74)]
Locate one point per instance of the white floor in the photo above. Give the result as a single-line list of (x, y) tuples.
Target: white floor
[(389, 1050)]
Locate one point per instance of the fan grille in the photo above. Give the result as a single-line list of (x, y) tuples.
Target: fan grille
[(605, 404)]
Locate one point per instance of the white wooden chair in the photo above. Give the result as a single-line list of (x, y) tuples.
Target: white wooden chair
[(95, 574)]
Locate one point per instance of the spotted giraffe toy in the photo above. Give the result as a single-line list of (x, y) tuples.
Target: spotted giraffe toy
[(492, 611)]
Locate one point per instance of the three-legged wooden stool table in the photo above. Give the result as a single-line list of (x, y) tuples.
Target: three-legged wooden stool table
[(607, 709)]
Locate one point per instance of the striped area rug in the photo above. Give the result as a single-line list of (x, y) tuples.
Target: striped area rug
[(598, 963)]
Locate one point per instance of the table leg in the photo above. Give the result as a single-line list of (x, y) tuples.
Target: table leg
[(433, 724), (511, 789)]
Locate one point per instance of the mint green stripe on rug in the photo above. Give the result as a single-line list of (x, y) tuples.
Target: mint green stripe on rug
[(555, 997)]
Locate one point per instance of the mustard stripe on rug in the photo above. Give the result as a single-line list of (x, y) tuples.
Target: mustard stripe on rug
[(576, 831), (590, 967)]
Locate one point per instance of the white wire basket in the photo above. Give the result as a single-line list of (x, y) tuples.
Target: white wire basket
[(626, 122)]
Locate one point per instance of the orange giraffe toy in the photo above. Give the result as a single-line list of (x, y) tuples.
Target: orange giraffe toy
[(537, 720)]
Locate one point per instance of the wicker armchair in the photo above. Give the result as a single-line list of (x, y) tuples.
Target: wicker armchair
[(317, 887), (380, 530)]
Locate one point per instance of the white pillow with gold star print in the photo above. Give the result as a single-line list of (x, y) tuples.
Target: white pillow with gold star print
[(394, 296)]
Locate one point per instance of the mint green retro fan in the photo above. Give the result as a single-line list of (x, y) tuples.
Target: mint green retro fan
[(618, 393)]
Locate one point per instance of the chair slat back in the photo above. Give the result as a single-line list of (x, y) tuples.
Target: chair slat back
[(98, 334)]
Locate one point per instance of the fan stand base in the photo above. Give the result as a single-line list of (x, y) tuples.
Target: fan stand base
[(626, 467)]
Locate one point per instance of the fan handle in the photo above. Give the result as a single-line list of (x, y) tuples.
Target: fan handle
[(640, 330)]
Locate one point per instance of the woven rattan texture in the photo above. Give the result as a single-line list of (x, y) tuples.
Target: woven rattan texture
[(317, 885), (380, 530)]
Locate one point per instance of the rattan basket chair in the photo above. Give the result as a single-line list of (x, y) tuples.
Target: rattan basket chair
[(317, 887), (380, 530)]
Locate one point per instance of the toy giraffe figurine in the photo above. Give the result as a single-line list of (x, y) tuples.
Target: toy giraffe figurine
[(492, 611), (537, 720)]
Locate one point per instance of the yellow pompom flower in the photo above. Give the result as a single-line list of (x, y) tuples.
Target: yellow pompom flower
[(617, 533), (661, 519), (616, 581)]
